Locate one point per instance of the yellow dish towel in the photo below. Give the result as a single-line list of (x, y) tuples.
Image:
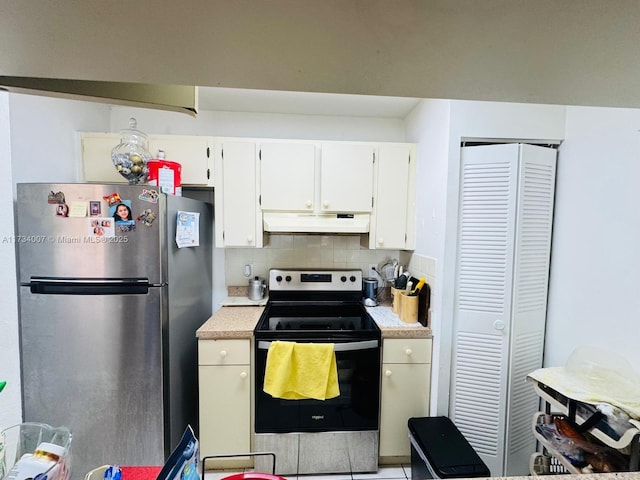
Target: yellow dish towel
[(301, 370)]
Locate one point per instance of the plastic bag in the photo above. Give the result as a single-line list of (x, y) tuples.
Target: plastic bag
[(183, 461)]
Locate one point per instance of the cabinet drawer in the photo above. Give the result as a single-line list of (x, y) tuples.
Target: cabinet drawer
[(406, 350), (224, 352)]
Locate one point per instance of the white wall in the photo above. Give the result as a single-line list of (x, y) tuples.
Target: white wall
[(44, 146), (267, 125), (10, 403), (594, 293), (428, 125)]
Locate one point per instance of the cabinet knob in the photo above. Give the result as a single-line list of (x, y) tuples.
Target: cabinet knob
[(309, 204), (249, 239), (325, 204), (408, 352), (498, 325), (380, 241), (223, 353), (387, 373), (243, 375)]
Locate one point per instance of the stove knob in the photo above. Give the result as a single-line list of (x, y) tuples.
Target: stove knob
[(288, 278), (352, 278), (343, 279), (279, 278)]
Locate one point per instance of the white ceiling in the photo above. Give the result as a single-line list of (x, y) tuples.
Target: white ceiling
[(548, 51), (303, 103)]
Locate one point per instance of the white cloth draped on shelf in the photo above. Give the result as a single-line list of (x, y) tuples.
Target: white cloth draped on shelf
[(595, 376)]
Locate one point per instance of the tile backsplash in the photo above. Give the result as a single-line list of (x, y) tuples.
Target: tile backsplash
[(318, 251), (304, 251)]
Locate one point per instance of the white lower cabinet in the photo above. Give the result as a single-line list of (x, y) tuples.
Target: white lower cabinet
[(224, 378), (405, 388)]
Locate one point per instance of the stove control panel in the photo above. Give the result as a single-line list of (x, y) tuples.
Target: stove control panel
[(315, 280)]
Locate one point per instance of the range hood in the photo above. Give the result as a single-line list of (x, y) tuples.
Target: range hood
[(315, 223)]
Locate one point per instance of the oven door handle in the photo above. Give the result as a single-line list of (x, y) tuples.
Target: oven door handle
[(337, 347)]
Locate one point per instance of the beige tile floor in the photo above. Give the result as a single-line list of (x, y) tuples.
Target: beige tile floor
[(387, 472)]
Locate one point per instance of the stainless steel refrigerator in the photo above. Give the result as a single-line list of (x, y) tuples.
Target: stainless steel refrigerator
[(109, 307)]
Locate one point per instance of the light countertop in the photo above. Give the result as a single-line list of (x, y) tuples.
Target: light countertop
[(239, 322), (230, 322)]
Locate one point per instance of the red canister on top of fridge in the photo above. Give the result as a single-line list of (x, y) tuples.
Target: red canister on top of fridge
[(165, 174)]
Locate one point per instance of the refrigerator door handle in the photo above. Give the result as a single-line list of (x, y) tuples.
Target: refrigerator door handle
[(89, 286)]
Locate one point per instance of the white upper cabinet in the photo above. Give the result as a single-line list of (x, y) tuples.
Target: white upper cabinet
[(320, 178), (238, 219), (393, 219), (194, 153), (346, 177), (287, 176), (97, 165)]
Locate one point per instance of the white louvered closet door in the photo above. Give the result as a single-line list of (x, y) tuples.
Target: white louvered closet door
[(504, 238)]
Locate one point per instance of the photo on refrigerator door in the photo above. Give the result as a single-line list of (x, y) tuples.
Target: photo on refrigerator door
[(122, 215), (101, 227)]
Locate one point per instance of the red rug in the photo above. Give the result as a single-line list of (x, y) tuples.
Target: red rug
[(140, 473)]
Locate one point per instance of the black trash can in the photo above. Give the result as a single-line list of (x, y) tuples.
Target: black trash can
[(439, 450)]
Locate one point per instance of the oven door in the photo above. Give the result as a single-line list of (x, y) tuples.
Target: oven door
[(356, 408)]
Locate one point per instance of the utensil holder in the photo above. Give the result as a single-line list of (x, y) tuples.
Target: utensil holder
[(395, 300), (408, 308)]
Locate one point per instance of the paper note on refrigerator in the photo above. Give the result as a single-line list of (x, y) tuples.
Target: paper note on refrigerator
[(188, 229)]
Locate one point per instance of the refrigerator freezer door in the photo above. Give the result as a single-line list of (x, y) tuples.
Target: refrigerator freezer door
[(61, 242), (189, 306), (93, 363)]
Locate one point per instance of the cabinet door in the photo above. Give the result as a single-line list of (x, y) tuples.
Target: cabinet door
[(235, 196), (406, 380), (393, 225), (405, 394), (97, 165), (346, 178), (225, 409), (192, 152), (287, 172)]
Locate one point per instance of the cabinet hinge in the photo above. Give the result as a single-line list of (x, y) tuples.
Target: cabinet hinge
[(409, 159), (371, 202), (260, 200), (374, 157), (208, 152), (208, 173), (222, 153), (260, 154)]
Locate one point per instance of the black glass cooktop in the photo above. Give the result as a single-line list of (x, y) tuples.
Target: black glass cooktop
[(292, 319)]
